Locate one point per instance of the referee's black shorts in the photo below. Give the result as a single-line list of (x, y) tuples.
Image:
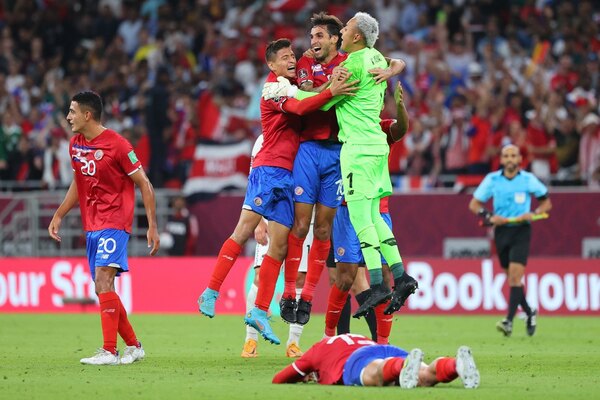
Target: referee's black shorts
[(512, 243)]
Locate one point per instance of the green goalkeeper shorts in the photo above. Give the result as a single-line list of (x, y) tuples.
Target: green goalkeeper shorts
[(365, 171)]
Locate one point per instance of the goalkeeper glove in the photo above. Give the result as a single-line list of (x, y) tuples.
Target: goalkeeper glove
[(281, 88)]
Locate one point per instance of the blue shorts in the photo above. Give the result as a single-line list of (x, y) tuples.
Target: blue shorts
[(345, 242), (107, 248), (317, 175), (362, 357), (270, 194)]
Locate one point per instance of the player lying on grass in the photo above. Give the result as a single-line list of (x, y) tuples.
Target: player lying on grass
[(355, 360)]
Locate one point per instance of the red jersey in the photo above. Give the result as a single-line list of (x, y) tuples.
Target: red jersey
[(327, 357), (319, 125), (280, 120), (102, 168)]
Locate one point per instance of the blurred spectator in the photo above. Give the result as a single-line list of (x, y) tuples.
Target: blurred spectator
[(157, 122), (589, 150), (181, 231)]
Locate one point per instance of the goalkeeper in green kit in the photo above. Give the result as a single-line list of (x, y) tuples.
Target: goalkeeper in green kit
[(364, 164), (364, 161)]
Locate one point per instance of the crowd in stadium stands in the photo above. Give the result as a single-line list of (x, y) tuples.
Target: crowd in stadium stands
[(174, 73)]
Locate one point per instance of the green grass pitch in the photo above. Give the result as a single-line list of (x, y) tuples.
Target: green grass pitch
[(193, 357)]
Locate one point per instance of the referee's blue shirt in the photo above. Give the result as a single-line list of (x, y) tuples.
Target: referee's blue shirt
[(512, 197)]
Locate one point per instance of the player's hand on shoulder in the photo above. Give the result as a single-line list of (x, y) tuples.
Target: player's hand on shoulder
[(281, 88), (339, 73)]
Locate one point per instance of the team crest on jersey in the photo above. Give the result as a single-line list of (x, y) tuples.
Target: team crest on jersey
[(302, 74), (98, 154), (258, 201), (299, 190), (341, 251)]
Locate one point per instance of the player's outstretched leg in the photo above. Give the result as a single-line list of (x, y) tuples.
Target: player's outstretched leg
[(258, 319), (206, 302), (409, 375), (466, 368), (404, 286)]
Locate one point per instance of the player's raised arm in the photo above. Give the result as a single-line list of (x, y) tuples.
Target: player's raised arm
[(141, 180), (67, 204), (400, 127)]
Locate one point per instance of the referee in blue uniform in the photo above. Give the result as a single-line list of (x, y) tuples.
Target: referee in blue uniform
[(512, 189)]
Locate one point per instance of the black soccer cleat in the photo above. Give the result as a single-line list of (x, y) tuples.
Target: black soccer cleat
[(505, 326), (379, 294), (303, 312), (531, 322), (287, 308), (404, 287)]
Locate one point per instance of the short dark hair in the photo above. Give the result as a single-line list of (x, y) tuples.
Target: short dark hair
[(331, 22), (275, 46), (91, 101)]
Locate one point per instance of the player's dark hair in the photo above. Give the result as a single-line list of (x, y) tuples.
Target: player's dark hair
[(90, 101), (275, 46), (331, 22)]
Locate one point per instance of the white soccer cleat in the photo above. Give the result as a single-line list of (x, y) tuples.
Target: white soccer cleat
[(102, 357), (409, 375), (466, 368), (132, 354)]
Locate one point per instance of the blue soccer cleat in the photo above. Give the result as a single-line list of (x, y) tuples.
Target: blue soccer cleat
[(258, 319), (206, 302)]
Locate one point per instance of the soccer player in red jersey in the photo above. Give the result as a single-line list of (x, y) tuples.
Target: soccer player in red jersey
[(270, 187), (316, 172), (354, 360), (105, 171)]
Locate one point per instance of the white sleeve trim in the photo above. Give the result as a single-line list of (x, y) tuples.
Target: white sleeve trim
[(135, 170), (298, 369)]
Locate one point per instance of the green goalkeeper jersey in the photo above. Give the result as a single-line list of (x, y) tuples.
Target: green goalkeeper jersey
[(358, 115)]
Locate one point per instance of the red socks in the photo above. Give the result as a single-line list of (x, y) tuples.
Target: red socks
[(316, 261), (227, 256), (110, 307), (391, 369), (292, 263), (267, 278), (384, 324), (335, 304), (445, 369), (125, 329)]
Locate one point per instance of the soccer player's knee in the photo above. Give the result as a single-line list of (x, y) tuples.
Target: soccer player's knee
[(301, 227), (344, 282), (322, 232)]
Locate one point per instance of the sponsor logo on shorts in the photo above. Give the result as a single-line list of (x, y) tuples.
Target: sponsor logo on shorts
[(341, 251), (299, 190), (258, 201), (98, 155)]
